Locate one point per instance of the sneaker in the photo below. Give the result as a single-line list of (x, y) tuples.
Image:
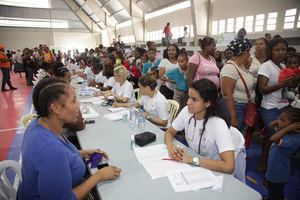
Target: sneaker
[(4, 90), (13, 88)]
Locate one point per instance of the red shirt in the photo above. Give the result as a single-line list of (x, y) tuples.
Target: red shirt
[(5, 64)]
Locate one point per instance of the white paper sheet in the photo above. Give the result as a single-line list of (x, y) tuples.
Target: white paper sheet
[(88, 91), (89, 113), (116, 109), (93, 100), (160, 168), (151, 153), (191, 179), (116, 115)]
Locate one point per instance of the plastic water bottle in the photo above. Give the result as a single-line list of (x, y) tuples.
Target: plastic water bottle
[(132, 141), (141, 120), (132, 114)]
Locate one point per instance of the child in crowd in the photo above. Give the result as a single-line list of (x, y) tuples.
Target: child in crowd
[(178, 76), (286, 141), (292, 70), (152, 61), (154, 73)]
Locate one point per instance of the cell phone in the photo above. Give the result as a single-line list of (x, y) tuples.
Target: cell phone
[(90, 121), (102, 165)]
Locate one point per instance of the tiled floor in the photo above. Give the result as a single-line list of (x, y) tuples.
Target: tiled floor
[(12, 107)]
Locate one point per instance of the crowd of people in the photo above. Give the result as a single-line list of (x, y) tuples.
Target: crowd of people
[(214, 90)]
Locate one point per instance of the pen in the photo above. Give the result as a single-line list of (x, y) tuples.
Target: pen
[(169, 159)]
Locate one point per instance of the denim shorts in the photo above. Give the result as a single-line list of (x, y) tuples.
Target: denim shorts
[(269, 115), (240, 109)]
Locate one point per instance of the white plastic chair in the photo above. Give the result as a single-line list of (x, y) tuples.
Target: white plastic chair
[(7, 190), (137, 93), (173, 107), (26, 119), (239, 154)]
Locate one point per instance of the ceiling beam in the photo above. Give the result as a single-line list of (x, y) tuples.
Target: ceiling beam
[(117, 12)]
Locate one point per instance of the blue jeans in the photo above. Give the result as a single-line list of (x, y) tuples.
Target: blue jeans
[(240, 109), (5, 77), (269, 115)]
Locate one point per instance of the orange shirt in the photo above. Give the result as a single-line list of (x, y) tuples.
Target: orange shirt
[(5, 64), (48, 57)]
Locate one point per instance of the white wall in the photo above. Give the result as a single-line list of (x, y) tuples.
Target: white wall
[(178, 18), (63, 40), (224, 9)]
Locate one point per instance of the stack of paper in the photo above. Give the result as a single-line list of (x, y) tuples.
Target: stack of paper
[(93, 100), (88, 91), (116, 109), (116, 115), (156, 160), (89, 113), (183, 177), (191, 179)]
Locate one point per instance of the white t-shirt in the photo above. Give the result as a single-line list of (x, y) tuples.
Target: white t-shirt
[(156, 106), (274, 99), (90, 75), (239, 92), (109, 82), (253, 69), (168, 67), (73, 67), (99, 78), (125, 90), (216, 137)]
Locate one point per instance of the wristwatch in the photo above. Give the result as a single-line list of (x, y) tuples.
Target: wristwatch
[(195, 161)]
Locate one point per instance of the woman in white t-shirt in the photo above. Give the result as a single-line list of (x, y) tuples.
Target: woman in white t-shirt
[(232, 86), (206, 131), (166, 65), (274, 100), (122, 90), (152, 101), (105, 80)]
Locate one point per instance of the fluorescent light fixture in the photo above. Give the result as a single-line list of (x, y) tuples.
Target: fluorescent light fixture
[(35, 23), (179, 6), (124, 24), (95, 18), (27, 3)]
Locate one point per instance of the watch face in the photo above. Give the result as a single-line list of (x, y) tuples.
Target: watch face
[(195, 159)]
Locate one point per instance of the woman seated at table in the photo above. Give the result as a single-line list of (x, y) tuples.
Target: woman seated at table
[(52, 168), (122, 90), (154, 103), (105, 79), (206, 131)]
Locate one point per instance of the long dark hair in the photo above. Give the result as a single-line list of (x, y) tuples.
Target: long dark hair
[(208, 91), (272, 44)]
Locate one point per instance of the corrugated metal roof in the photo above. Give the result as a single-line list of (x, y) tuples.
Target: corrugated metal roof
[(152, 5), (59, 10)]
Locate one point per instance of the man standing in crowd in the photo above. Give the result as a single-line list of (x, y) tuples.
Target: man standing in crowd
[(5, 68)]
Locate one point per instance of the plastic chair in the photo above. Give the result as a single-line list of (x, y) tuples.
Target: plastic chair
[(173, 109), (137, 93), (239, 154), (7, 190), (26, 119)]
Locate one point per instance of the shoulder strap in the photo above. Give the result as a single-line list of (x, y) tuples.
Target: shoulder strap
[(199, 58), (243, 80)]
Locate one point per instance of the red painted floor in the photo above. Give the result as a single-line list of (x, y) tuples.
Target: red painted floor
[(12, 105)]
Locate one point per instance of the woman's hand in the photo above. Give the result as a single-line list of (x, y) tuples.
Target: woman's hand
[(234, 122), (88, 152), (175, 152), (187, 158), (108, 173)]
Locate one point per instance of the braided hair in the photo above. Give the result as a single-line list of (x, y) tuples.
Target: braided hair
[(208, 91), (47, 91)]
